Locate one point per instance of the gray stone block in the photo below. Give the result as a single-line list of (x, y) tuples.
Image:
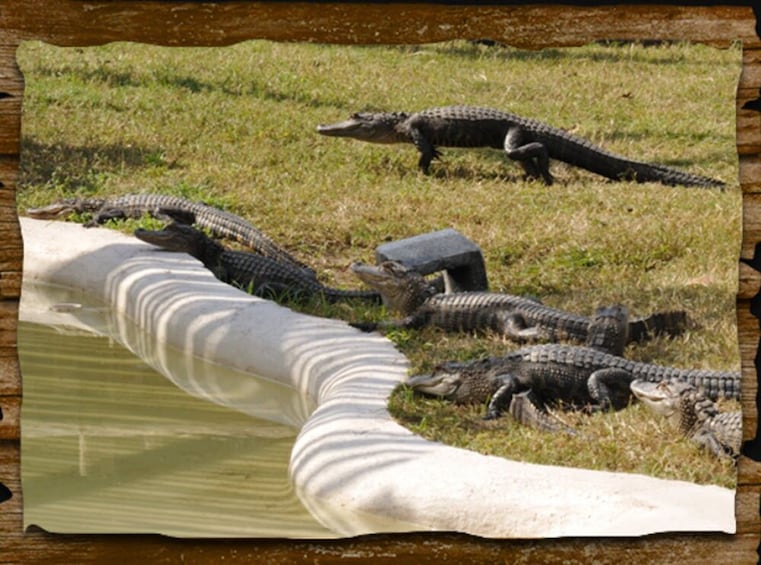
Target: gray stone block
[(444, 250)]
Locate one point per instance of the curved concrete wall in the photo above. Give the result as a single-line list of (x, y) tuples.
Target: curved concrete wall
[(354, 468)]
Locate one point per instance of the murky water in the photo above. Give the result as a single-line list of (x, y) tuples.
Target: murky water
[(111, 445)]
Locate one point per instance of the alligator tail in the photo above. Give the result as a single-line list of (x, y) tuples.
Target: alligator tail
[(645, 172)]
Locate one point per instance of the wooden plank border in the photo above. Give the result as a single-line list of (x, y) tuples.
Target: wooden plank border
[(535, 25)]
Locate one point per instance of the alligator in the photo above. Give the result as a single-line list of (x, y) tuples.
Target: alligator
[(697, 417), (563, 375), (530, 142), (257, 274), (519, 318), (219, 222)]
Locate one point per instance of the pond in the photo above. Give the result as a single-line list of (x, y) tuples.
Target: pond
[(111, 445)]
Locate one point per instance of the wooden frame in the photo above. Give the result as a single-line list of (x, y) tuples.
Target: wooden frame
[(79, 23)]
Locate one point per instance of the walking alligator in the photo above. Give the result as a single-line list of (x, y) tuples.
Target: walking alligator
[(697, 417), (560, 375), (219, 222), (530, 142), (516, 317), (257, 274)]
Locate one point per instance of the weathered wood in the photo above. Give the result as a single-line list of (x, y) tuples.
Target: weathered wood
[(10, 286), (10, 253), (750, 471), (746, 509), (750, 76), (9, 425), (748, 131), (10, 383), (11, 517), (749, 278), (11, 259), (748, 336), (11, 94), (748, 126), (39, 547), (72, 22), (750, 173), (9, 276), (8, 323)]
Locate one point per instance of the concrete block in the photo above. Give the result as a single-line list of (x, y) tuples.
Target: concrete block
[(444, 250)]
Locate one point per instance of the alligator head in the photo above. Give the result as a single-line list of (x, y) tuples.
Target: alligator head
[(174, 237), (183, 238), (663, 398), (696, 416), (401, 288), (677, 401), (374, 127), (462, 382), (63, 208)]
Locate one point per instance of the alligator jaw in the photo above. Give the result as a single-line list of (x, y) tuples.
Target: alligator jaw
[(174, 237), (435, 385), (366, 126), (53, 211), (402, 289), (380, 277), (347, 128), (661, 397), (367, 273)]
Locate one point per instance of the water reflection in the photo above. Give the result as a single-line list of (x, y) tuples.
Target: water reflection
[(111, 445)]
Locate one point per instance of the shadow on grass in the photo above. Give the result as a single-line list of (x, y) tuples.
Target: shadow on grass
[(446, 171), (478, 49), (102, 75), (81, 167), (166, 78)]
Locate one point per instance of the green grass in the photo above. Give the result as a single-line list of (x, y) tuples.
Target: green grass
[(235, 127)]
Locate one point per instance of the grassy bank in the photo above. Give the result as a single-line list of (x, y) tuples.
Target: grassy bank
[(235, 127)]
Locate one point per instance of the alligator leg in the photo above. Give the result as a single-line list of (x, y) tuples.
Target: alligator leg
[(533, 157), (515, 328), (427, 151), (609, 388), (526, 409), (105, 214), (504, 395), (708, 440)]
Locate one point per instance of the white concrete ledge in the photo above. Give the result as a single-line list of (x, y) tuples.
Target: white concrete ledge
[(353, 467)]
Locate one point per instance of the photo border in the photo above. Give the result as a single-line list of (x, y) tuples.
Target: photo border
[(519, 24)]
